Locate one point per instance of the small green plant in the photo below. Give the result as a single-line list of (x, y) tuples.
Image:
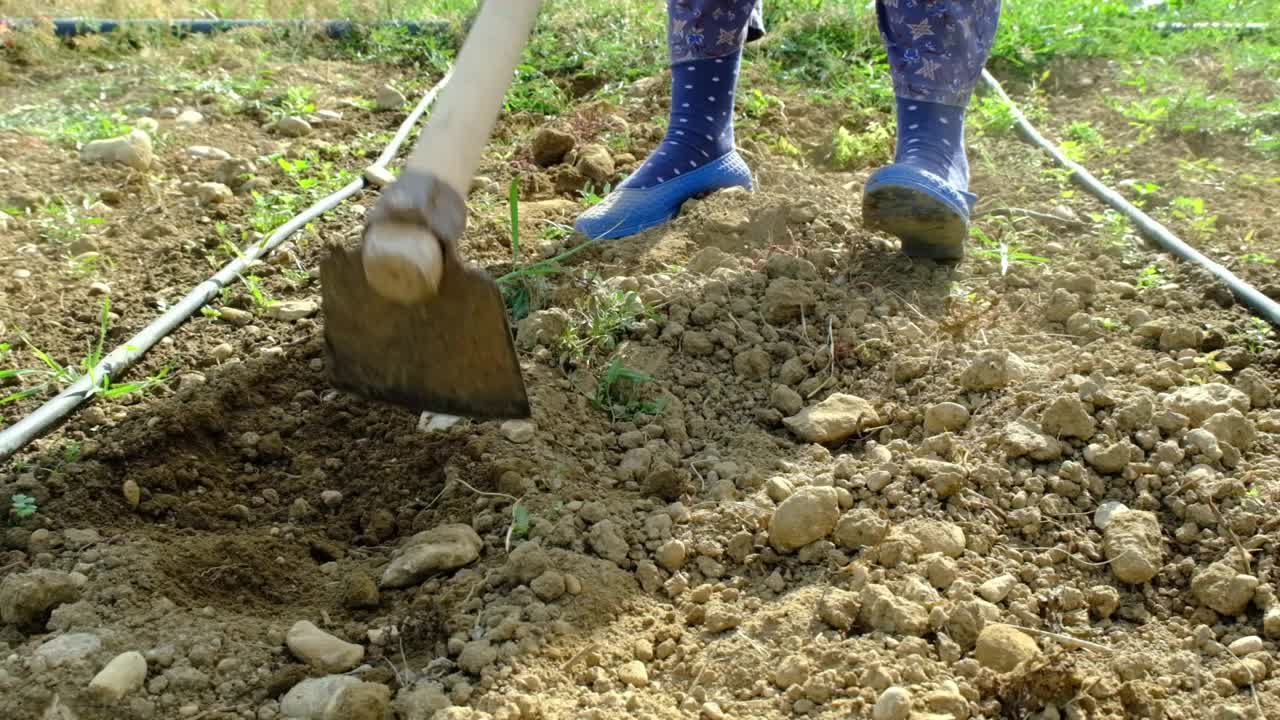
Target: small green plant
[(602, 317), (1150, 276), (1192, 211), (1258, 258), (850, 151), (757, 103), (253, 284), (519, 522), (23, 506), (90, 264), (1256, 335), (619, 389), (1008, 249), (589, 196), (991, 115)]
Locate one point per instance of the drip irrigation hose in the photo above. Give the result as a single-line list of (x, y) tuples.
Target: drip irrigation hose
[(18, 435), (1247, 294), (73, 26)]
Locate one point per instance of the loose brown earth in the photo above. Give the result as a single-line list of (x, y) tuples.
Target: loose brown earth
[(703, 560)]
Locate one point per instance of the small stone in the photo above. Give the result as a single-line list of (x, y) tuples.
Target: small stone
[(447, 547), (1002, 647), (793, 670), (993, 370), (189, 118), (235, 316), (293, 126), (204, 152), (634, 673), (785, 299), (860, 528), (671, 555), (1067, 417), (882, 610), (26, 599), (785, 400), (292, 310), (997, 588), (124, 674), (213, 193), (360, 591), (1103, 601), (1134, 546), (838, 608), (808, 515), (518, 431), (1106, 511), (1233, 428), (833, 420), (595, 163), (720, 617), (389, 98), (712, 711), (1180, 336), (1108, 459), (476, 656), (321, 650), (551, 145), (1247, 645), (1271, 622), (1025, 439), (308, 699), (549, 586), (68, 649), (893, 704), (607, 541), (778, 489), (133, 150), (936, 536), (1200, 402), (132, 493), (945, 417), (363, 701), (1223, 589)]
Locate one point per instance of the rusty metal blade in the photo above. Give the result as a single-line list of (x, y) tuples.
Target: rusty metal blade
[(452, 354)]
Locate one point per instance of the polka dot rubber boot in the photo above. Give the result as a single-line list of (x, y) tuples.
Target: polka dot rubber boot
[(696, 157), (923, 197)]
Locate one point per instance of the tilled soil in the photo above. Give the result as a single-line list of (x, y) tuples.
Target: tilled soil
[(1041, 483)]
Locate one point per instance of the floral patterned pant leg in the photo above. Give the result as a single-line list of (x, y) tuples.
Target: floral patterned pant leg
[(699, 29), (937, 47)]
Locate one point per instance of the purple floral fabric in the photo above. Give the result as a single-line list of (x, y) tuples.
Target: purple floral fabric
[(936, 47)]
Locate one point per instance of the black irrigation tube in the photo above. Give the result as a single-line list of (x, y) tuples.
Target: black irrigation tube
[(1152, 230), (73, 26), (17, 436)]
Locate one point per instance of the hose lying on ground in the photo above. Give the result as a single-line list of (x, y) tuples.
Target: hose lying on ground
[(1247, 294), (71, 27), (18, 435)]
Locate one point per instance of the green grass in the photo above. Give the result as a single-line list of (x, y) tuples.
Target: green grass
[(620, 392), (53, 375)]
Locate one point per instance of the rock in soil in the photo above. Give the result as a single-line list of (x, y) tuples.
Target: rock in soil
[(634, 673), (26, 599), (893, 704), (309, 698), (945, 417), (293, 126), (1247, 645), (1199, 402), (447, 547), (518, 431), (595, 163), (808, 515), (833, 419), (133, 150), (1134, 546), (1002, 647), (292, 310), (477, 655), (364, 701), (121, 676), (321, 650), (993, 370), (1067, 417), (69, 649), (551, 145), (389, 98), (1223, 589), (213, 193)]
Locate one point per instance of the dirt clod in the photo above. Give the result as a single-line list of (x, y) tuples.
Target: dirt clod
[(809, 514), (1002, 647), (833, 419), (1134, 545)]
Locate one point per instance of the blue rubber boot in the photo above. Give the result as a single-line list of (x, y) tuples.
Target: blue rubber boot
[(923, 198), (696, 157)]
